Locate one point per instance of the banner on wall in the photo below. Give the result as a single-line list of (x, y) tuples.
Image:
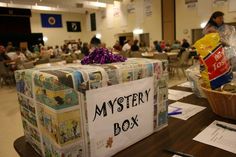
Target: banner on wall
[(120, 119), (116, 9), (51, 20), (131, 7), (73, 26), (219, 2), (148, 7), (191, 3)]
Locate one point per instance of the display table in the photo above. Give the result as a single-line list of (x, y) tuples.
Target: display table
[(92, 110), (178, 135)]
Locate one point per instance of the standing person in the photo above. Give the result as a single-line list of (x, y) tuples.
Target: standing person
[(185, 44), (215, 23)]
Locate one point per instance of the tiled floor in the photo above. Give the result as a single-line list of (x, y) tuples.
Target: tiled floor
[(10, 120)]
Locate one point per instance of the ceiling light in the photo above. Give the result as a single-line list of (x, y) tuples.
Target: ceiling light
[(137, 31), (96, 4), (3, 4), (45, 39), (37, 7), (203, 24), (98, 35)]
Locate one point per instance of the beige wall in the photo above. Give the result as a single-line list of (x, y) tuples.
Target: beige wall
[(56, 36), (150, 24), (191, 18)]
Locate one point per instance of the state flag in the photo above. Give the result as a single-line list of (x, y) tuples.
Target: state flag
[(51, 20)]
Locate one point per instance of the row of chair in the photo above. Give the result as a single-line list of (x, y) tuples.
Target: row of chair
[(176, 63)]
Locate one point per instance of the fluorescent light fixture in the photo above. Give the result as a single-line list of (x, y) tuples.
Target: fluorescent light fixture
[(45, 39), (38, 7), (98, 35), (3, 4), (137, 31), (203, 24), (96, 4)]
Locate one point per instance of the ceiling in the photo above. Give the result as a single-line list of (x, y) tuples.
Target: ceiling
[(55, 5)]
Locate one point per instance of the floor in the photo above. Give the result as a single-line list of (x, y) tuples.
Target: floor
[(10, 119)]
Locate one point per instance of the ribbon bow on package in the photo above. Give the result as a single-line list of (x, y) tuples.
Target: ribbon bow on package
[(102, 56)]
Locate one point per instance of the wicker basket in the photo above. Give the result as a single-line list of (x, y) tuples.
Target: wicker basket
[(222, 103)]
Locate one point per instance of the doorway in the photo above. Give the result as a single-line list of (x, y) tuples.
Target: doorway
[(196, 34), (144, 40), (122, 37)]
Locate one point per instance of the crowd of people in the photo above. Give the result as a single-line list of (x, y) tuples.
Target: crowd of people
[(159, 46), (18, 55)]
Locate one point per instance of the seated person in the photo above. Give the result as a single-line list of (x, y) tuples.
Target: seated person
[(3, 57), (27, 53), (157, 46), (117, 46), (19, 56), (127, 46), (175, 45), (95, 42), (10, 47), (135, 46), (6, 59), (85, 49), (44, 53)]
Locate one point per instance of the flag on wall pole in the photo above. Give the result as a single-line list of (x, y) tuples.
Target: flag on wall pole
[(51, 20)]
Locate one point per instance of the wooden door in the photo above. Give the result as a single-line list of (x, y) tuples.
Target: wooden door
[(168, 20)]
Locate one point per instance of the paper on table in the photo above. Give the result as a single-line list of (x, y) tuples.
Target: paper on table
[(176, 156), (188, 110), (218, 137), (186, 84), (177, 94)]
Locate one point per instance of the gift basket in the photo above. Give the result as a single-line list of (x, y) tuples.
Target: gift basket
[(222, 103), (216, 55)]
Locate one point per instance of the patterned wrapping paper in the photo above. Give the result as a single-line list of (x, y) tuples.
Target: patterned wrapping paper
[(53, 101)]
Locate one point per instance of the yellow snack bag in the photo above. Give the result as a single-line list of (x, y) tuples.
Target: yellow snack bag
[(215, 68)]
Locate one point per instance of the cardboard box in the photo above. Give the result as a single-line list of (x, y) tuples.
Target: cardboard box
[(92, 110)]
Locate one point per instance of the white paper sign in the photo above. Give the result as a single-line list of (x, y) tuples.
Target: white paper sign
[(186, 84), (219, 137), (119, 116), (177, 94), (187, 110)]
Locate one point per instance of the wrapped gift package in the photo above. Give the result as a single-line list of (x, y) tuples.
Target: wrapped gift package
[(92, 110)]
